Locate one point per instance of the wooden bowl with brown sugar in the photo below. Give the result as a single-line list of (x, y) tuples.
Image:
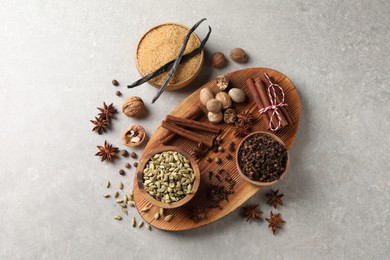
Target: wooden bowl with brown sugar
[(264, 156), (163, 177), (160, 45)]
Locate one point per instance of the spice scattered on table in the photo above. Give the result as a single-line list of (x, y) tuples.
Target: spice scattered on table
[(250, 212), (133, 155), (122, 172), (118, 93), (106, 196), (238, 55), (275, 222), (127, 165), (124, 153), (115, 82), (108, 152), (108, 184), (107, 112), (241, 129), (117, 217), (275, 199), (218, 60), (101, 124)]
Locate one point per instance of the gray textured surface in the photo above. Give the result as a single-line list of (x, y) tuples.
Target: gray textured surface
[(57, 59)]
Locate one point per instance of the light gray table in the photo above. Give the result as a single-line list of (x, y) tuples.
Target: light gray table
[(57, 59)]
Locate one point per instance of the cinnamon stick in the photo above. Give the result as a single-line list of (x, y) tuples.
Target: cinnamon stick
[(255, 94), (265, 99), (195, 137), (283, 109), (193, 124), (193, 113)]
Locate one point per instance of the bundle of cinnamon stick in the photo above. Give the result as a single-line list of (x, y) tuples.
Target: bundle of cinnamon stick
[(177, 126), (258, 88)]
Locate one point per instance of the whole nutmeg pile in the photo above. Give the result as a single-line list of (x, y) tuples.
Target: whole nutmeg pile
[(221, 101), (133, 107)]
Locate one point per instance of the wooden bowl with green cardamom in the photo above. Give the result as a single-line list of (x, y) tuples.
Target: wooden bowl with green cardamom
[(168, 177), (284, 160)]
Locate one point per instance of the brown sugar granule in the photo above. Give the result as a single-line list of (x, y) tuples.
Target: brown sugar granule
[(161, 45)]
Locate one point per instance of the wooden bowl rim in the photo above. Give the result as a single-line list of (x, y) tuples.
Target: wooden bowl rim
[(170, 86), (152, 200), (258, 183)]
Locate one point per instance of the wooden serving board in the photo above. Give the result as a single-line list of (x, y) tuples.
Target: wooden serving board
[(242, 190)]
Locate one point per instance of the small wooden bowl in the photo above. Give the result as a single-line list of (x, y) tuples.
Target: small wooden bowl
[(258, 183), (171, 85), (151, 199)]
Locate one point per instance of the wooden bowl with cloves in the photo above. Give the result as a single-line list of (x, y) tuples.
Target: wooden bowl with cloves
[(262, 158), (168, 177)]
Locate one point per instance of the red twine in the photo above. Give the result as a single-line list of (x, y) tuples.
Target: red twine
[(273, 101)]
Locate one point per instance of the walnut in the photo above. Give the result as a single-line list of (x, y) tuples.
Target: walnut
[(133, 107), (133, 136), (230, 116), (222, 82)]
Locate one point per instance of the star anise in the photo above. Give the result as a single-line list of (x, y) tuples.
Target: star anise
[(199, 151), (107, 112), (250, 212), (241, 129), (246, 117), (101, 124), (275, 222), (275, 199), (108, 152)]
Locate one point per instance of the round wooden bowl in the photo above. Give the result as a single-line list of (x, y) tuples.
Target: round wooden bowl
[(258, 183), (170, 86), (151, 199)]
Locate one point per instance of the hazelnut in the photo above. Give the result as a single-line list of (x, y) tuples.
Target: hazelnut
[(218, 60), (222, 82), (215, 117), (225, 100), (205, 95), (214, 105), (133, 136), (133, 107), (237, 95), (238, 55)]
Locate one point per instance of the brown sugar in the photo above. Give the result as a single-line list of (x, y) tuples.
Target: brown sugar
[(160, 45)]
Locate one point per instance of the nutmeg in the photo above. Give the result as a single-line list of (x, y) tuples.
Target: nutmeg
[(237, 95), (222, 82), (238, 55), (205, 95), (214, 105), (133, 107), (218, 60), (230, 116), (225, 100), (215, 117)]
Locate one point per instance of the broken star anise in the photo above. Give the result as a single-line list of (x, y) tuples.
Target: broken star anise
[(275, 221), (108, 152), (101, 124), (107, 112), (250, 212), (199, 151), (241, 129), (246, 117), (198, 214), (275, 199)]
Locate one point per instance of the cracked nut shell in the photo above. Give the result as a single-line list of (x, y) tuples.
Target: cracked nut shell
[(133, 107)]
